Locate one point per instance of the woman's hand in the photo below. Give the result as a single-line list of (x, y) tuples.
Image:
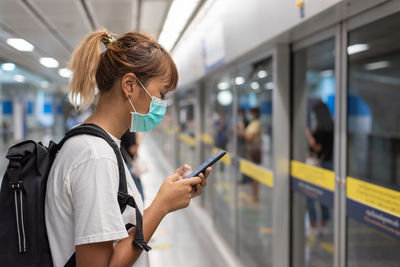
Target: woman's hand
[(175, 192), (198, 189)]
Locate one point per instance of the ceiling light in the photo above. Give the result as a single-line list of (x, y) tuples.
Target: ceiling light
[(19, 78), (255, 85), (269, 86), (357, 48), (326, 73), (377, 65), (262, 74), (225, 98), (65, 73), (239, 80), (178, 16), (44, 84), (223, 85), (20, 44), (49, 62), (8, 66)]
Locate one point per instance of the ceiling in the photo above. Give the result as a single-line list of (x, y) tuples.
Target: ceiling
[(55, 27)]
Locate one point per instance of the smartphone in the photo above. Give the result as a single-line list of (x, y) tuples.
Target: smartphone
[(214, 158)]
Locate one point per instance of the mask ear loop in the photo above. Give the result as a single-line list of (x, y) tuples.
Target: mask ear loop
[(129, 99), (144, 88)]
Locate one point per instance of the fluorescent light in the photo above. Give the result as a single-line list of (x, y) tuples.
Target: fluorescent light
[(178, 15), (326, 73), (49, 62), (262, 74), (65, 73), (255, 85), (8, 66), (223, 85), (239, 80), (19, 78), (269, 86), (377, 65), (44, 84), (20, 44), (357, 48)]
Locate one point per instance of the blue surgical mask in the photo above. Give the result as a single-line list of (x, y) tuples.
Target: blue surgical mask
[(146, 122)]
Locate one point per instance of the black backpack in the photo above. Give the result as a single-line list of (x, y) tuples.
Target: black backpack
[(23, 237)]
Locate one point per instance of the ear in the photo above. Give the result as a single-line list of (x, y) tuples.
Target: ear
[(128, 82)]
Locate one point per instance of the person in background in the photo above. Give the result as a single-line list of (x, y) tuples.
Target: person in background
[(221, 131), (243, 122), (252, 135), (320, 141), (130, 142)]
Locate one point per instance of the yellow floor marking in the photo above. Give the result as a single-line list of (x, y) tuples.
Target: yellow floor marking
[(265, 230), (328, 247), (161, 246)]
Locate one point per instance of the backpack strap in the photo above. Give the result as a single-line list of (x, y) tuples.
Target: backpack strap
[(123, 198), (92, 129)]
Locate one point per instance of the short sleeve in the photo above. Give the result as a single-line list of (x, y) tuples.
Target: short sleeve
[(94, 189)]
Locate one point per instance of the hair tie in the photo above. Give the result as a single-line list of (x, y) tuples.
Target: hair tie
[(107, 40)]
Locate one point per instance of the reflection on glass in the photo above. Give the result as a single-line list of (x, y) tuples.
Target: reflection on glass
[(313, 130), (374, 131), (254, 143)]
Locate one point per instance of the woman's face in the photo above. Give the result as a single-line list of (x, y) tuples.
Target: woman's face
[(141, 100)]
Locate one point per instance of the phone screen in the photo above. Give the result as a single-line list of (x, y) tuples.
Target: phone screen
[(202, 168)]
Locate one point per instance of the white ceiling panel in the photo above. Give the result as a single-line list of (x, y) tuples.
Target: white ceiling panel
[(117, 16), (152, 16), (67, 17), (23, 22)]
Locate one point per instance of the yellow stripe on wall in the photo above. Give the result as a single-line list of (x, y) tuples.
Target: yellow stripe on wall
[(257, 173), (378, 197), (227, 159), (187, 139), (313, 175)]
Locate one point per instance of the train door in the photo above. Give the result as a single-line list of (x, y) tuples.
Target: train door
[(372, 160), (312, 150), (254, 89)]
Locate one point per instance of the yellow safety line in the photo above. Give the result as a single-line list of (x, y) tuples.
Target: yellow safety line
[(257, 173), (206, 138), (378, 197), (187, 139), (313, 175)]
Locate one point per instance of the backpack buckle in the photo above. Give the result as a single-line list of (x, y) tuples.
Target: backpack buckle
[(19, 185)]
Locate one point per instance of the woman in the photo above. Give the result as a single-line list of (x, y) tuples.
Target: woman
[(252, 136), (320, 141), (133, 75)]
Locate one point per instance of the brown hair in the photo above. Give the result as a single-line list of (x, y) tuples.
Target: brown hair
[(132, 52)]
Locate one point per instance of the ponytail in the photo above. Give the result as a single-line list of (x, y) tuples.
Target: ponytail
[(84, 64)]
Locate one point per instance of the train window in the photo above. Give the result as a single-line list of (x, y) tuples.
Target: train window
[(254, 145), (312, 154), (373, 139), (220, 102)]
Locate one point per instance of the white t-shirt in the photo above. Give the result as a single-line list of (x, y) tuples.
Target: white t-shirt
[(81, 203)]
